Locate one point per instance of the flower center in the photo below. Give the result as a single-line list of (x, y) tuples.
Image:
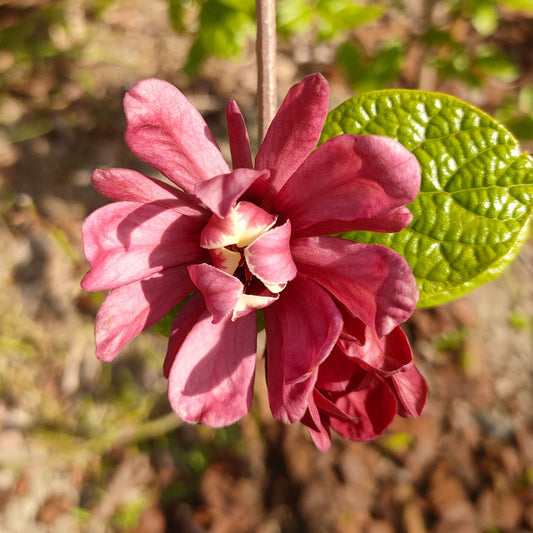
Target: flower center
[(247, 246)]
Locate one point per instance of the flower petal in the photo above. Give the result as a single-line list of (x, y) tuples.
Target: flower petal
[(269, 256), (130, 309), (339, 373), (373, 282), (302, 328), (121, 184), (294, 132), (225, 259), (411, 391), (184, 321), (386, 354), (165, 130), (371, 408), (349, 177), (317, 429), (221, 291), (221, 192), (251, 302), (211, 378), (392, 222), (128, 241), (239, 141), (244, 224)]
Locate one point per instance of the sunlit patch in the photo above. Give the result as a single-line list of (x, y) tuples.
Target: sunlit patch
[(251, 302), (243, 225), (225, 259)]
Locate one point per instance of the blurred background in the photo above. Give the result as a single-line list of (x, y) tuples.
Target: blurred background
[(92, 447)]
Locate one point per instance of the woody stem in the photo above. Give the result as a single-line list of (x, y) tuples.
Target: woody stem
[(266, 64)]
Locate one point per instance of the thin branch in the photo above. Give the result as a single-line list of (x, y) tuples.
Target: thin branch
[(266, 64)]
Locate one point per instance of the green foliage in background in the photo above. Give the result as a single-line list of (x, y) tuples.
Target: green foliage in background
[(224, 28), (461, 45), (366, 72), (327, 18), (29, 36)]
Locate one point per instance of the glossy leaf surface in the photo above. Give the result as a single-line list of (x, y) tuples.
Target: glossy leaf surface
[(476, 197)]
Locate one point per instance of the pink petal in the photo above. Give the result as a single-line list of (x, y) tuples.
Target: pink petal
[(371, 409), (211, 378), (386, 354), (221, 192), (411, 391), (165, 130), (394, 221), (128, 241), (251, 302), (130, 309), (221, 291), (302, 328), (243, 225), (122, 184), (294, 132), (269, 256), (225, 259), (239, 141), (374, 282), (192, 309), (349, 177)]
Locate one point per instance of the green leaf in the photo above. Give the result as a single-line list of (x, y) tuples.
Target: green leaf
[(476, 196)]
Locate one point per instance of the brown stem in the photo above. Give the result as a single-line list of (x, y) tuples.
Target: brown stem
[(266, 64)]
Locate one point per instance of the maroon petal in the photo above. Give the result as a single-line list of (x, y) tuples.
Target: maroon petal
[(221, 291), (348, 178), (318, 430), (294, 132), (373, 282), (302, 328), (329, 409), (339, 373), (121, 184), (129, 310), (269, 257), (128, 241), (211, 378), (371, 410), (239, 141), (386, 354), (221, 192), (411, 391), (165, 130)]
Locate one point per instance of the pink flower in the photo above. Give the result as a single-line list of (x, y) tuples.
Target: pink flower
[(363, 384), (255, 239)]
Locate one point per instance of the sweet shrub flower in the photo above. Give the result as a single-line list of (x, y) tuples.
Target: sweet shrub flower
[(232, 242)]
